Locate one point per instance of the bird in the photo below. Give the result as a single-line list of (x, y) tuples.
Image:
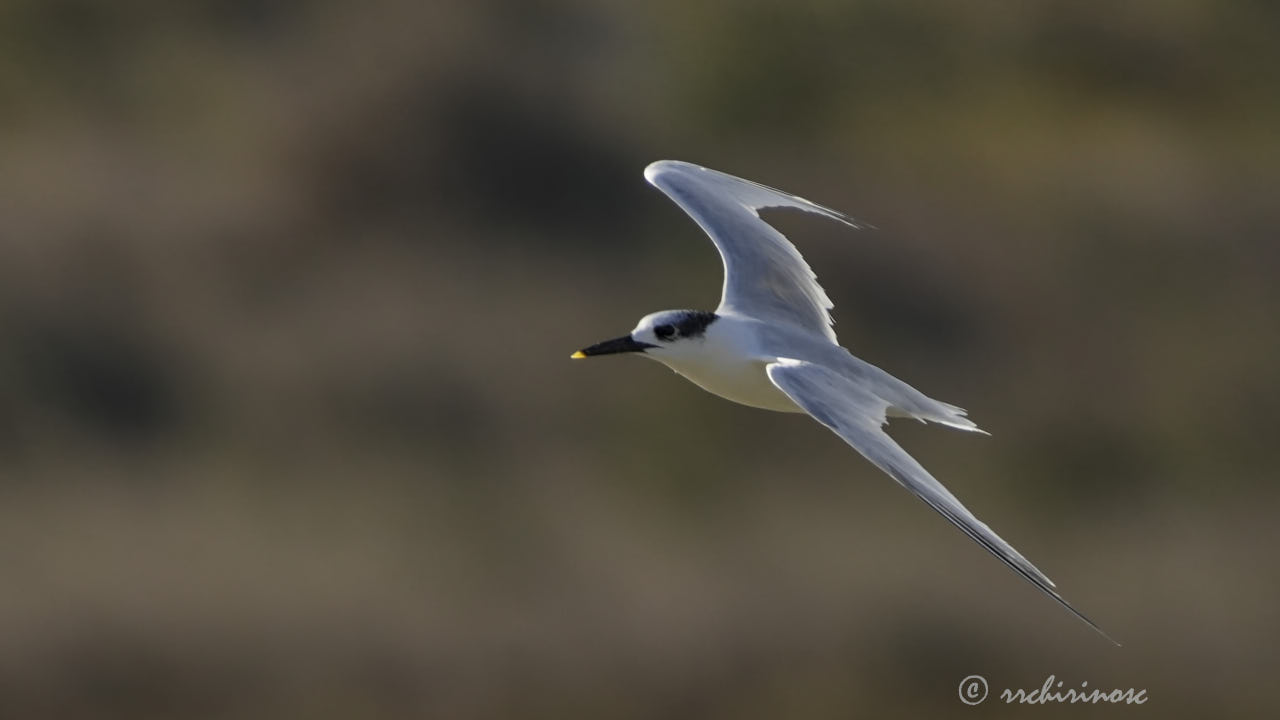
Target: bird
[(770, 344)]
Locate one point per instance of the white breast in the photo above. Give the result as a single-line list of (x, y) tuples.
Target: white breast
[(745, 383)]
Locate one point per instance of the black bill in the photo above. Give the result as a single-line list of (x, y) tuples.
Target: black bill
[(623, 344)]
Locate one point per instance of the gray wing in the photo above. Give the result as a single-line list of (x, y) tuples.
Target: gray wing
[(857, 416), (764, 275)]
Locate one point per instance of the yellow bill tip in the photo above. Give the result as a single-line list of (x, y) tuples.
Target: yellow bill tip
[(577, 356)]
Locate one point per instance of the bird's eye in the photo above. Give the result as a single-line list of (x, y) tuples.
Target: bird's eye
[(664, 332)]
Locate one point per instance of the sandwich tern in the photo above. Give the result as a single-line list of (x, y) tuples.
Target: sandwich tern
[(770, 345)]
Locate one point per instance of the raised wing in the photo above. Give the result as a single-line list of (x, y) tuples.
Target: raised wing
[(857, 416), (764, 275)]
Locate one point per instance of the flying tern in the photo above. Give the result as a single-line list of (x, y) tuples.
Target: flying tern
[(770, 344)]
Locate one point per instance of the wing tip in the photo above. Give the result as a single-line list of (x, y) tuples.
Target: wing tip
[(844, 218), (1089, 622)]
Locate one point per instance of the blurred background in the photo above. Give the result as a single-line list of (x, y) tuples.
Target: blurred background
[(288, 426)]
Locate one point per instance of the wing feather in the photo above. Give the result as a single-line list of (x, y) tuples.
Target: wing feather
[(856, 415), (765, 276)]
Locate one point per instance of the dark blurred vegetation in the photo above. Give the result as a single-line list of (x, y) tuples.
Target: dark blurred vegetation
[(288, 428)]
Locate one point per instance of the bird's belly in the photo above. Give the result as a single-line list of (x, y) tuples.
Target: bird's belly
[(746, 384)]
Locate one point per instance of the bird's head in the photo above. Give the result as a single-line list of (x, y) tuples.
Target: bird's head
[(657, 334)]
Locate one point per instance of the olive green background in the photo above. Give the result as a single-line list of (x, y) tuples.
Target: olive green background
[(288, 426)]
